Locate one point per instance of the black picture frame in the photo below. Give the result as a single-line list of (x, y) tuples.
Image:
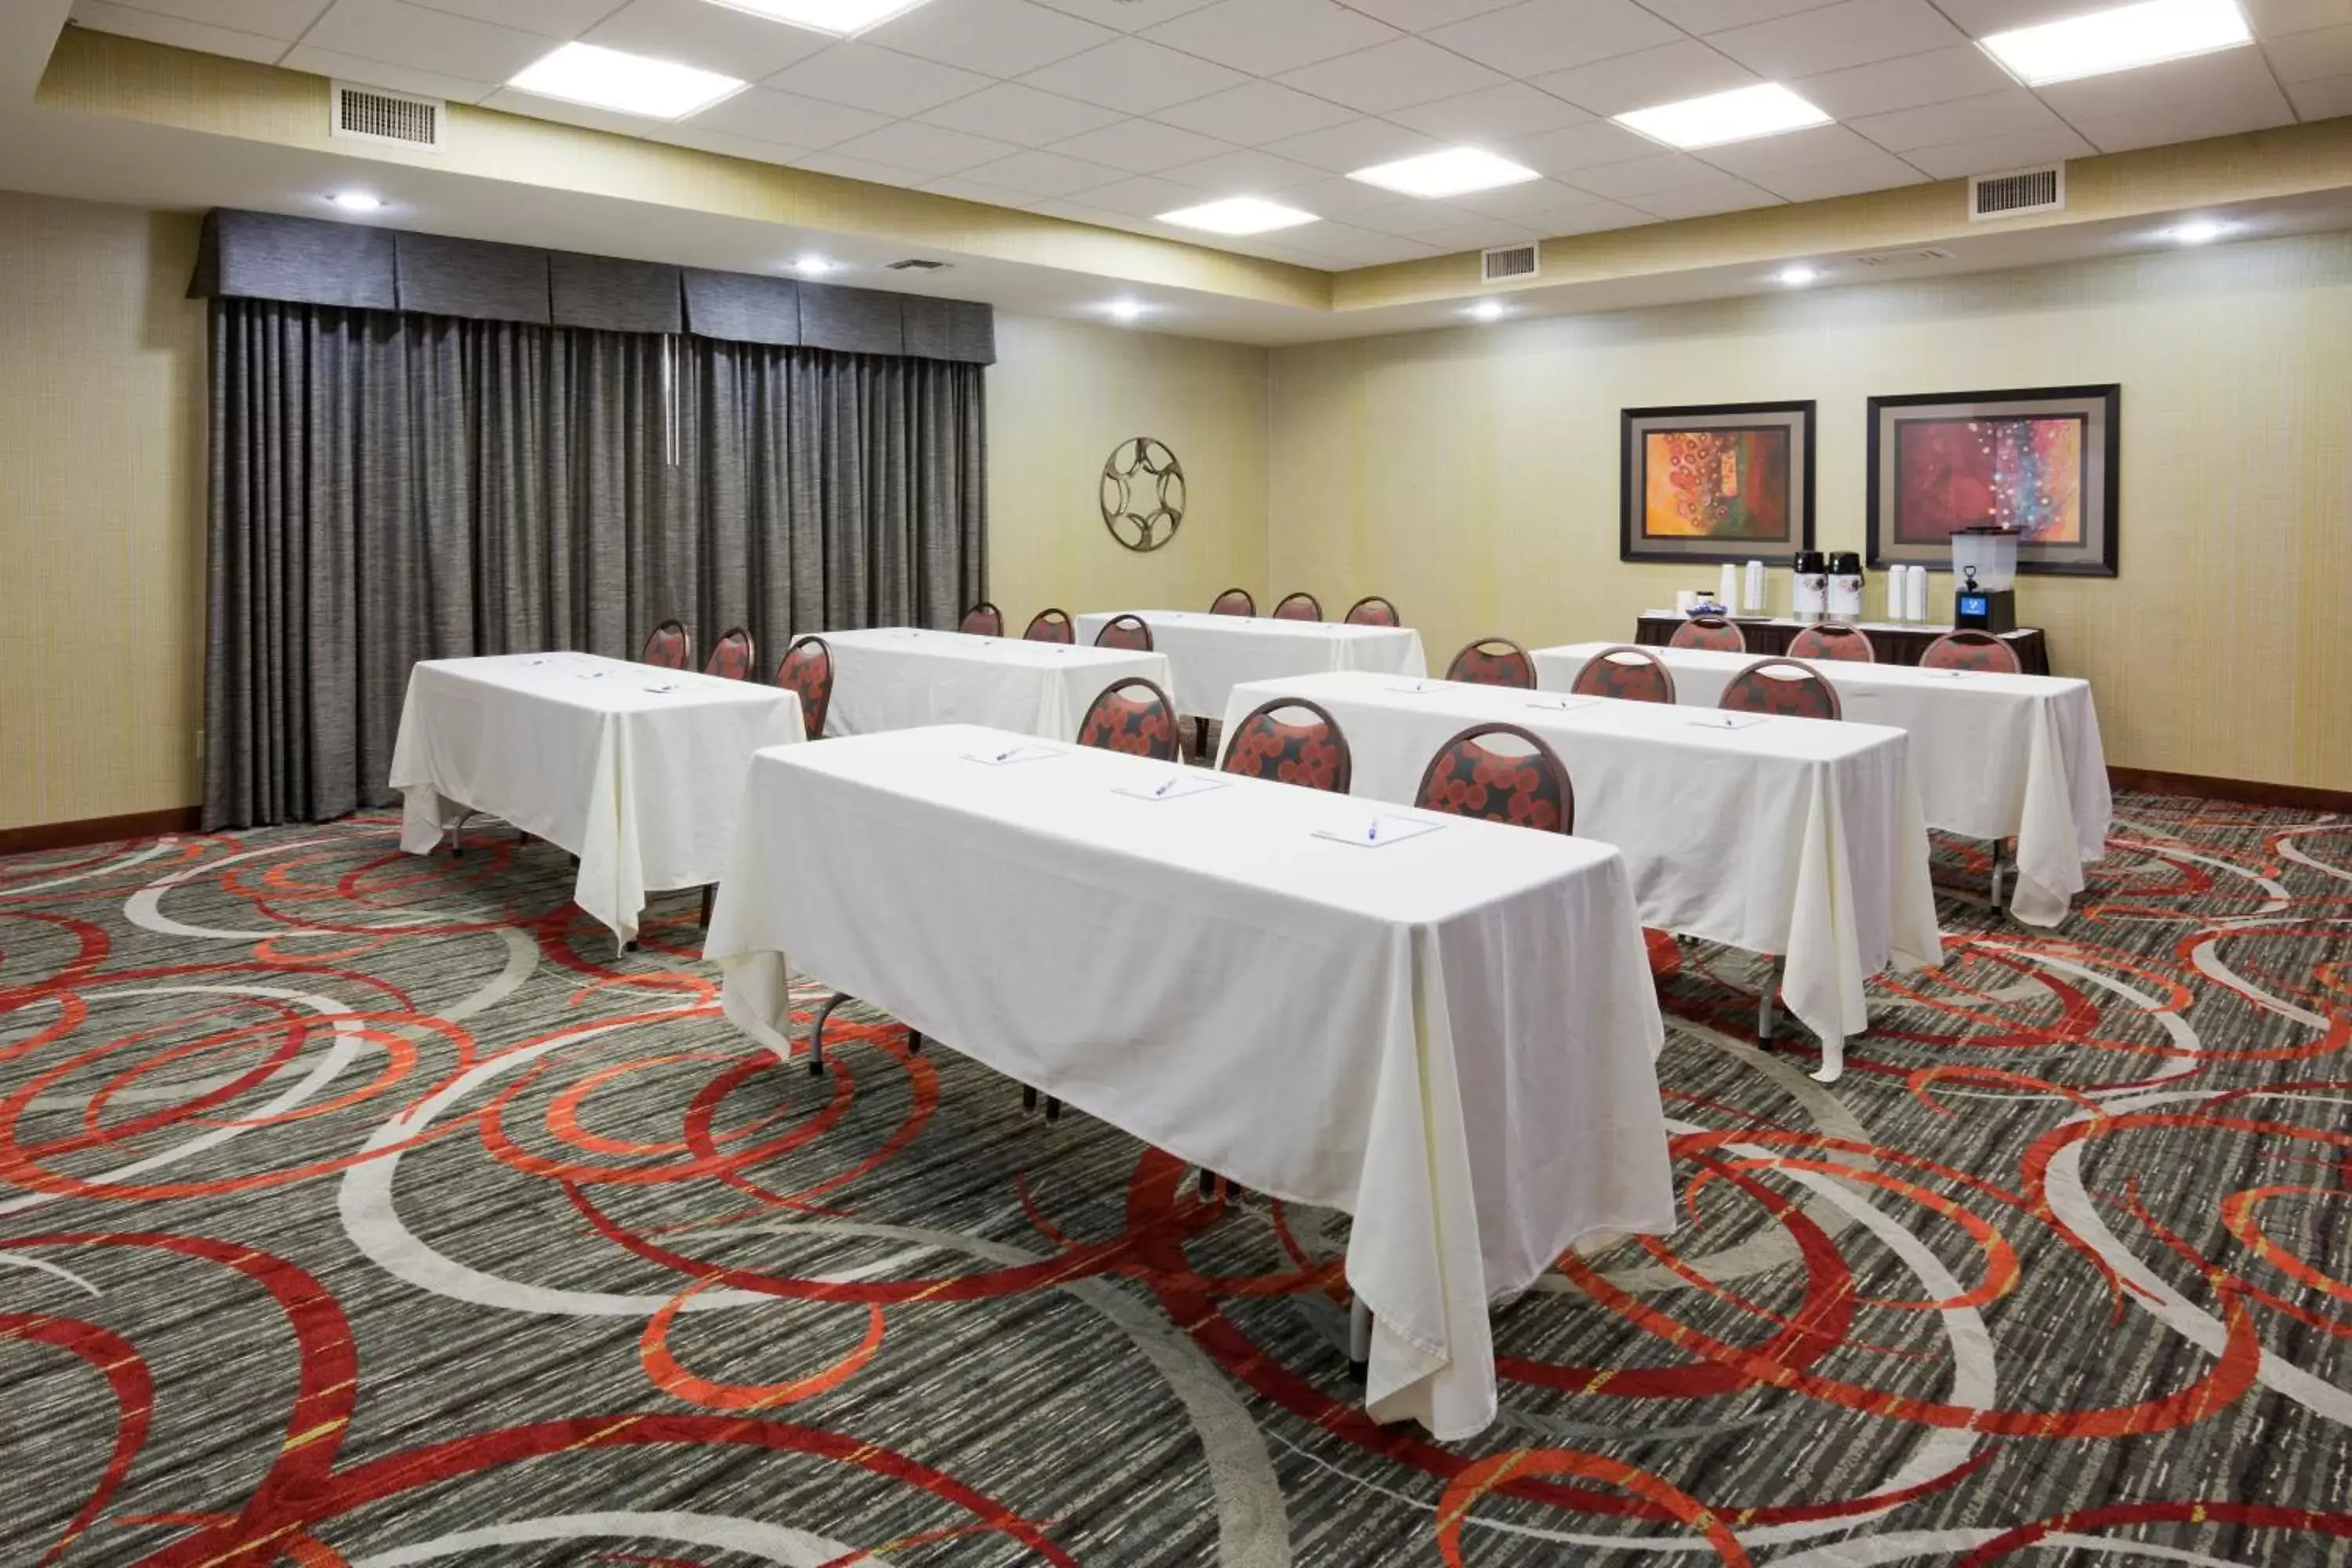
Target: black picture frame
[(1636, 425), (2099, 405)]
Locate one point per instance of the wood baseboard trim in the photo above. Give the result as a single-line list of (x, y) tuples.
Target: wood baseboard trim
[(99, 830), (2245, 791)]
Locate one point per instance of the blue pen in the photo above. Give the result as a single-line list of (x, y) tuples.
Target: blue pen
[(1372, 834), (1164, 788)]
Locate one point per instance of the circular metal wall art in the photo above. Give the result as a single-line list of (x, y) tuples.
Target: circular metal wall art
[(1142, 494)]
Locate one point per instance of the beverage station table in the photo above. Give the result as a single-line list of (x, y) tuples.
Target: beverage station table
[(1894, 642)]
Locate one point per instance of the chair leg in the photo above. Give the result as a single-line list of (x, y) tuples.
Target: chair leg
[(1997, 870), (1766, 1019), (816, 1032), (709, 898), (457, 835), (914, 1042), (1360, 1339), (1028, 1099), (522, 839), (1201, 739), (1207, 1184), (1052, 1109)]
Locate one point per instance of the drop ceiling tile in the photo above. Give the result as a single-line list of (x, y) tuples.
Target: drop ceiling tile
[(1574, 147), (1667, 73), (1995, 154), (1012, 113), (1255, 113), (2322, 100), (768, 115), (1135, 76), (1981, 18), (859, 169), (1791, 150), (281, 20), (1248, 173), (711, 38), (551, 19), (1145, 196), (2237, 79), (509, 100), (1079, 212), (1478, 233), (1706, 201), (727, 145), (2180, 122), (1518, 201), (425, 40), (867, 76), (1356, 144), (998, 38), (1540, 35), (1357, 246), (1425, 16), (377, 73), (1645, 176), (1041, 173), (1491, 115), (1266, 37), (2272, 18), (1413, 219), (1338, 197), (1873, 170), (1912, 82), (930, 150), (1587, 216), (2011, 112), (1396, 75), (1852, 32), (2308, 56), (177, 31), (1717, 15), (1127, 15), (1142, 146)]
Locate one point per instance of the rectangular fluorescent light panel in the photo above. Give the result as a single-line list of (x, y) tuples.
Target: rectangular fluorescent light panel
[(1239, 215), (1455, 172), (839, 17), (632, 84), (1740, 115), (2117, 40)]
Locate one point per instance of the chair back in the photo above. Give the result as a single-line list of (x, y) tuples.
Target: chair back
[(983, 620), (1234, 602), (1782, 688), (1712, 633), (1971, 650), (1301, 607), (1130, 632), (733, 655), (807, 673), (1371, 610), (1051, 626), (1521, 781), (1132, 716), (1494, 661), (1833, 639), (1310, 750), (1628, 673), (668, 645)]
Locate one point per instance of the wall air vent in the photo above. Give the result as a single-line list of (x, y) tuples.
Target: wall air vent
[(377, 114), (1507, 262), (1924, 253), (918, 264), (2019, 192)]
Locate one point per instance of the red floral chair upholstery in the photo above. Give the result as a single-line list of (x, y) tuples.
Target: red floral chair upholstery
[(1833, 639), (1971, 650), (983, 620), (1524, 784), (1712, 633), (1371, 610), (1132, 716), (1051, 626), (1494, 661), (1783, 688), (807, 673), (1313, 752), (733, 655), (1130, 632), (1298, 608), (1627, 673), (1234, 602), (668, 645)]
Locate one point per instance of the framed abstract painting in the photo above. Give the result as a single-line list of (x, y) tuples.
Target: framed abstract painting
[(2043, 461), (1728, 482)]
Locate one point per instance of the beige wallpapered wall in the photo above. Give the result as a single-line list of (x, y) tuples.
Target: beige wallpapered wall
[(1473, 474)]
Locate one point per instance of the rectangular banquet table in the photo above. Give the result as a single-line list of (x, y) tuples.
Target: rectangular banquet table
[(896, 678), (1791, 836), (1210, 655), (1451, 1037), (636, 770), (1997, 757)]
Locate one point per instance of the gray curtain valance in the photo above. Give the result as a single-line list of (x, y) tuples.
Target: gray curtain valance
[(313, 261)]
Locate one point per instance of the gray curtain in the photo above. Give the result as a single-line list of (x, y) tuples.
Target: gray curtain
[(388, 486)]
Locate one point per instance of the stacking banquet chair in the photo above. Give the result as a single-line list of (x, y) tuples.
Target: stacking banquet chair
[(1980, 651), (1521, 782), (1783, 687), (1712, 633), (1371, 610), (1234, 602), (1311, 751), (807, 673), (668, 645), (982, 619), (1051, 626), (733, 655), (1299, 606), (1494, 661), (1833, 639), (1628, 673), (1130, 632)]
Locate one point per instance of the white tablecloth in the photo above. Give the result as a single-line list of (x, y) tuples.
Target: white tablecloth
[(1997, 757), (1212, 653), (1451, 1037), (1794, 837), (896, 678), (585, 751)]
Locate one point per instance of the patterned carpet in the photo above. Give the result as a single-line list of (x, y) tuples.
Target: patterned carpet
[(360, 1209)]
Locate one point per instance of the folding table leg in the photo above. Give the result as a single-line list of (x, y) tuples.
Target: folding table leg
[(457, 835), (1997, 868), (816, 1032), (1360, 1339), (1767, 1016)]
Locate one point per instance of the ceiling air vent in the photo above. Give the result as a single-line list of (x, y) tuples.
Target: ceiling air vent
[(376, 114), (1507, 262), (2016, 192), (917, 263), (1903, 257)]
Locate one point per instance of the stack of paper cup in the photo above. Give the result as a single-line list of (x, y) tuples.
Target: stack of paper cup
[(1898, 593), (1754, 603), (1727, 591), (1685, 599), (1915, 594)]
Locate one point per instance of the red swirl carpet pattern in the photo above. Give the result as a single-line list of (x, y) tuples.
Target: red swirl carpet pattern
[(358, 1209)]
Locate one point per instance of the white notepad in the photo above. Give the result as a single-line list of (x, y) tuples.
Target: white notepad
[(1011, 755), (1175, 787), (1563, 704), (1378, 833), (1730, 720)]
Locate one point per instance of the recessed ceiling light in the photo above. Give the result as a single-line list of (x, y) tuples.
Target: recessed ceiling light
[(632, 84), (1455, 172), (1487, 310), (2200, 231), (1739, 115), (1239, 215), (1796, 276), (1123, 310), (356, 201), (814, 266), (840, 17), (2117, 40)]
